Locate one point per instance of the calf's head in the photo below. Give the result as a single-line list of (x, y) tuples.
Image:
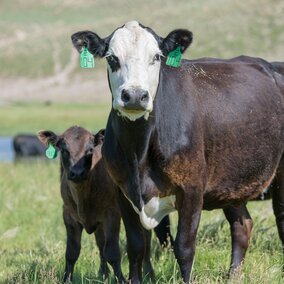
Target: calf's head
[(133, 53), (76, 146)]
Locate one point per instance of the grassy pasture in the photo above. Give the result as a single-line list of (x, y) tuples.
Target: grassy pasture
[(34, 48), (32, 117), (32, 237)]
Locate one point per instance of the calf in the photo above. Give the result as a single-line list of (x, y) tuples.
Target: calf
[(90, 200), (88, 196)]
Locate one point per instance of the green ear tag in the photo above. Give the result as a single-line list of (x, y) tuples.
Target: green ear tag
[(51, 152), (87, 59), (174, 58)]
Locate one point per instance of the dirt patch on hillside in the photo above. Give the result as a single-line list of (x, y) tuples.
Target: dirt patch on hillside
[(76, 89), (62, 86)]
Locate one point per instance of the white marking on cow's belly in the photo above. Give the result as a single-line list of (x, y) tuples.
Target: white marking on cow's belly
[(155, 210)]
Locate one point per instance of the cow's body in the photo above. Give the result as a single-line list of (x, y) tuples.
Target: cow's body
[(219, 140), (211, 136), (216, 132), (27, 145)]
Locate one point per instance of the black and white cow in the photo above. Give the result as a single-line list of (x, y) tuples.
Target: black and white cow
[(209, 134)]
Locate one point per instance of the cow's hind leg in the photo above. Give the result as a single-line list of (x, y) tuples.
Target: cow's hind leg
[(163, 232), (241, 226), (277, 189)]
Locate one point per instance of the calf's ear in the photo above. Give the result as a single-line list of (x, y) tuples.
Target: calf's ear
[(96, 45), (180, 37), (99, 137), (47, 137)]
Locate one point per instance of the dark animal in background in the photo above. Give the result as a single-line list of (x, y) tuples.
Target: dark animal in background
[(209, 134), (28, 145), (90, 201)]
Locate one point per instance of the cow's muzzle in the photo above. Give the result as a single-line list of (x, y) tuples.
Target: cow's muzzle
[(135, 99)]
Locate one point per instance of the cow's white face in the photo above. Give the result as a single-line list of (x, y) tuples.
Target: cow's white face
[(133, 53), (133, 65)]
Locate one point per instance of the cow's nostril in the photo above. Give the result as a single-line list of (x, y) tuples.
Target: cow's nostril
[(71, 175), (145, 97), (125, 97)]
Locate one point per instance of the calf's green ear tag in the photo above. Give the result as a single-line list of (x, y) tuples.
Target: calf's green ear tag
[(51, 152), (87, 59), (174, 58)]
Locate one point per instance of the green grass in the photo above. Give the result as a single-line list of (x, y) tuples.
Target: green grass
[(35, 37), (32, 237), (32, 117)]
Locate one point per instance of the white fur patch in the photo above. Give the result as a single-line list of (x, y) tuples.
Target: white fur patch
[(135, 48), (155, 210)]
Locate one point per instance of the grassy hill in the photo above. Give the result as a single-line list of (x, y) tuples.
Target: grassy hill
[(35, 47)]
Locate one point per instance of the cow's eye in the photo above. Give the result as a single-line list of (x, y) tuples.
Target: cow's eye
[(113, 62), (156, 58), (89, 151)]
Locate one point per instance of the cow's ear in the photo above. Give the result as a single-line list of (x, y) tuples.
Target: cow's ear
[(99, 137), (180, 37), (92, 41), (47, 137)]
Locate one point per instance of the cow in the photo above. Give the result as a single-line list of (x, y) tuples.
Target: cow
[(27, 145), (90, 201), (206, 135)]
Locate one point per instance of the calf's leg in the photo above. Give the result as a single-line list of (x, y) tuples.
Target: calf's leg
[(74, 232), (240, 226), (100, 240)]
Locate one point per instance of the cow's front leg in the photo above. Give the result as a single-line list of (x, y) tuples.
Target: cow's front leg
[(74, 232), (135, 239), (189, 205), (241, 226), (111, 250)]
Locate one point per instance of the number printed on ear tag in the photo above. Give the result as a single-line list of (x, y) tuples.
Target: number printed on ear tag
[(87, 59), (51, 152), (174, 58)]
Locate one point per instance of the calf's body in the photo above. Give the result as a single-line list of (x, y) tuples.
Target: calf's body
[(89, 198)]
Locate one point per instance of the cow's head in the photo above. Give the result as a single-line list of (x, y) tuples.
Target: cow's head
[(133, 53), (76, 146)]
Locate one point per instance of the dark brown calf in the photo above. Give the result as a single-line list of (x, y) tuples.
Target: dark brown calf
[(88, 196)]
